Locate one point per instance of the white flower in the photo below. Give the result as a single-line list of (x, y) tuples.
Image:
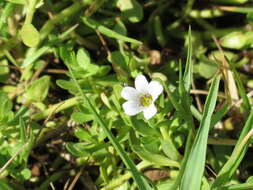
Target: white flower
[(142, 97)]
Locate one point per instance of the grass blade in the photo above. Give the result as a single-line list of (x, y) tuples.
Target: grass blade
[(189, 66), (194, 169), (184, 107), (240, 149)]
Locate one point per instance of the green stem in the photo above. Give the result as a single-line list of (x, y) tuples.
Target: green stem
[(195, 113), (121, 179), (30, 11)]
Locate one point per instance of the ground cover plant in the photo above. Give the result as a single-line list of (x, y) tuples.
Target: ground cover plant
[(126, 94)]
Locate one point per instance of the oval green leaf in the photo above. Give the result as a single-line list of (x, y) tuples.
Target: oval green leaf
[(30, 35)]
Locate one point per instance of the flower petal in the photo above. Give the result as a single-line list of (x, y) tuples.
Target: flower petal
[(149, 111), (129, 93), (141, 83), (131, 107), (155, 89)]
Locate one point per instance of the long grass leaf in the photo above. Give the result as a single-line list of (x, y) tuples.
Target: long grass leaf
[(232, 164), (184, 105), (189, 66), (194, 169)]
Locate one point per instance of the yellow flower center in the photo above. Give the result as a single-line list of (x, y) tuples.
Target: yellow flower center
[(145, 100)]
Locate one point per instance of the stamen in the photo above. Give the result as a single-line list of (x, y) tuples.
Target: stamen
[(145, 100)]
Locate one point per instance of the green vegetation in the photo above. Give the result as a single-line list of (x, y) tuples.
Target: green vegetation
[(126, 95)]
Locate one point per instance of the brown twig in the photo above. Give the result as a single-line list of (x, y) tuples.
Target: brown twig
[(221, 95), (66, 184), (11, 67), (56, 71), (101, 38), (75, 179), (204, 92), (39, 71)]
